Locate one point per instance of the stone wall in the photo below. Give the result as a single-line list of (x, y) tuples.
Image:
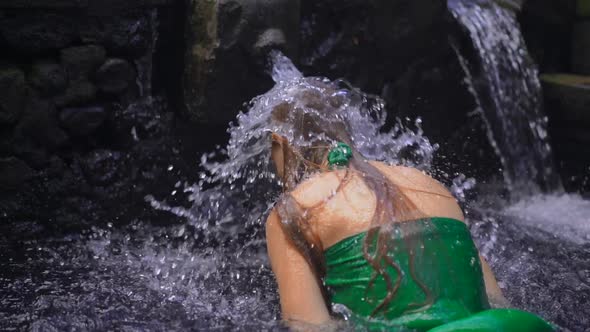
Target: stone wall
[(225, 62), (82, 141), (65, 65)]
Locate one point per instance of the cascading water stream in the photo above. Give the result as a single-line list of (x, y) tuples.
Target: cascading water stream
[(510, 97), (538, 241)]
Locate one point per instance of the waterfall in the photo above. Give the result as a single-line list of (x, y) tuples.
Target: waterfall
[(508, 94), (144, 65)]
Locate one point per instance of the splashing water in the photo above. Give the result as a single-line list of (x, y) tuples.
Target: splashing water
[(510, 99), (238, 186), (241, 181), (540, 251), (565, 216), (209, 272)]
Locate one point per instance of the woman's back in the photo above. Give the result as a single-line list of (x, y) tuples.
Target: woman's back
[(427, 252), (339, 207), (434, 269)]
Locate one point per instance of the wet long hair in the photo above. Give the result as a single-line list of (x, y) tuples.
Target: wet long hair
[(317, 117)]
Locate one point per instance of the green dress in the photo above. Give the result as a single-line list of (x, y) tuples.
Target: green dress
[(441, 286)]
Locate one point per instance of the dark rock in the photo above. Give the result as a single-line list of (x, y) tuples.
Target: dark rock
[(372, 42), (82, 61), (94, 6), (82, 121), (568, 98), (6, 141), (581, 48), (44, 4), (78, 93), (49, 78), (138, 122), (547, 29), (567, 101), (12, 94), (114, 76), (271, 22), (226, 51), (37, 31), (56, 167), (269, 40), (102, 167), (34, 154), (13, 172), (40, 125), (128, 35)]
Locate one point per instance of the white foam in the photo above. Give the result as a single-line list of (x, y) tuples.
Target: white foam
[(565, 215)]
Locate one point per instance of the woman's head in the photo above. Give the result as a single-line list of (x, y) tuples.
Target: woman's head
[(314, 119)]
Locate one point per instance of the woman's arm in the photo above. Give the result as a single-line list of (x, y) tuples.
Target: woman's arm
[(495, 296), (300, 295)]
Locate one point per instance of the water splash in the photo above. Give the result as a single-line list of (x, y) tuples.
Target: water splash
[(144, 65), (566, 216), (461, 187), (238, 185), (282, 68), (510, 99), (209, 271), (539, 249)]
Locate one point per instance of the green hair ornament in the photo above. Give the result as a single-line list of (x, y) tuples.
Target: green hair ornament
[(340, 155)]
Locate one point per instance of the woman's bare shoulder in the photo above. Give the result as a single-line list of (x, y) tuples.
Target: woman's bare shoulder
[(412, 179), (429, 195), (318, 187)]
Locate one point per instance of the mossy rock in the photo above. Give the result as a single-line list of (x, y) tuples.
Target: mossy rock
[(568, 98), (567, 79), (515, 5), (583, 8)]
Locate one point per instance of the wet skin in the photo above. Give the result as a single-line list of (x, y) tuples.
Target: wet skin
[(346, 212)]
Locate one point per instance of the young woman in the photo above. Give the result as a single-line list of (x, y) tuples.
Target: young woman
[(387, 242)]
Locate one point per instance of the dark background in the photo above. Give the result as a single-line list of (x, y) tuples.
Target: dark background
[(99, 98)]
